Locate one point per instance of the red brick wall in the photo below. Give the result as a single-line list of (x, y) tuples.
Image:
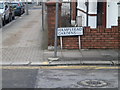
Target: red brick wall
[(119, 30), (51, 16), (74, 11), (94, 38)]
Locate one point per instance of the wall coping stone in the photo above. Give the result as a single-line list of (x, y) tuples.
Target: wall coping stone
[(52, 3)]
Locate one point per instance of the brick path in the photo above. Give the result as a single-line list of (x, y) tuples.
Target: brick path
[(22, 39)]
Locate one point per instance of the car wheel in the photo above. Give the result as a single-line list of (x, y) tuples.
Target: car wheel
[(8, 20), (13, 18), (19, 14), (3, 22), (24, 11)]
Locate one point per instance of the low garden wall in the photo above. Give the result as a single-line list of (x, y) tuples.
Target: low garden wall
[(97, 38)]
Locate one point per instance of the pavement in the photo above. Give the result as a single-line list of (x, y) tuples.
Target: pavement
[(85, 57), (26, 45)]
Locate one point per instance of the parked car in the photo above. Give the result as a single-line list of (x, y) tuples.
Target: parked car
[(1, 24), (19, 8), (4, 11)]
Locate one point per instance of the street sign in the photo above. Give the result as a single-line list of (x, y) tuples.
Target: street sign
[(70, 31)]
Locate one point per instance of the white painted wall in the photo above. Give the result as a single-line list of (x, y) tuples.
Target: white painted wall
[(119, 10), (92, 10), (92, 20), (92, 7), (83, 16), (81, 5), (112, 14)]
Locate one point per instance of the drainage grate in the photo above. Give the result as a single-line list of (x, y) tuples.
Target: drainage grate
[(93, 83)]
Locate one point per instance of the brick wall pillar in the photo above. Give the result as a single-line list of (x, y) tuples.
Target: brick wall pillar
[(74, 11), (119, 31), (51, 17)]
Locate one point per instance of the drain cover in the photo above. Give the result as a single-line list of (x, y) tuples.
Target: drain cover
[(93, 83)]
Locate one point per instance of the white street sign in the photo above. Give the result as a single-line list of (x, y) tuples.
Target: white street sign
[(70, 31)]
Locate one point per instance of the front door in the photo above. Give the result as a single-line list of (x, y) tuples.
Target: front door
[(101, 14)]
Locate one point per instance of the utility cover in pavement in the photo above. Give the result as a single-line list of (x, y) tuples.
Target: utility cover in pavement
[(93, 83)]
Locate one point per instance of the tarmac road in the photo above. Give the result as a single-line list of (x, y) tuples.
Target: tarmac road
[(58, 76)]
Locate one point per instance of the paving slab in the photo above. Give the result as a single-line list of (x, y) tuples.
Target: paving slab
[(109, 52), (71, 53), (90, 53)]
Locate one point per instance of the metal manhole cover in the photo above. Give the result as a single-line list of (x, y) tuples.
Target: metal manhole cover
[(93, 83)]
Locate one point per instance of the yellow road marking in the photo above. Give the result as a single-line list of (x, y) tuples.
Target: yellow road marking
[(59, 67)]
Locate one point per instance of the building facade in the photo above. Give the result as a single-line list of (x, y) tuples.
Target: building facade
[(95, 13), (98, 19)]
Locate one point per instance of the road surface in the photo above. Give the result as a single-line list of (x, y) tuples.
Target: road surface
[(58, 76)]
